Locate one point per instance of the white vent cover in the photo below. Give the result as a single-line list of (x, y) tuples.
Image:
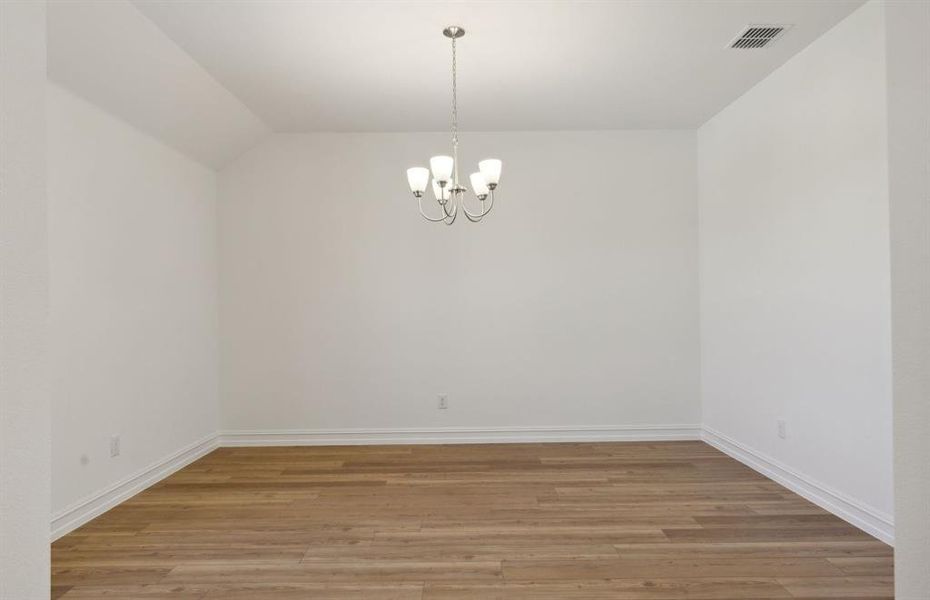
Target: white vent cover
[(758, 36)]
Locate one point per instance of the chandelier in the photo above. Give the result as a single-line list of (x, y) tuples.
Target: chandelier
[(447, 189)]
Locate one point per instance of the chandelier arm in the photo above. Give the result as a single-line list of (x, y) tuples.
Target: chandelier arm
[(454, 206), (427, 217), (471, 218), (475, 217), (452, 215)]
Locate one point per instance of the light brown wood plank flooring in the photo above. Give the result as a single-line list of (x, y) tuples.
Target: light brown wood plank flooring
[(668, 520)]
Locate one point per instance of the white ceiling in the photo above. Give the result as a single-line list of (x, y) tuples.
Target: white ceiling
[(384, 65)]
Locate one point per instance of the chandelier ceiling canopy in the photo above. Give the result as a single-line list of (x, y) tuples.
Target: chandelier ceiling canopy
[(448, 191)]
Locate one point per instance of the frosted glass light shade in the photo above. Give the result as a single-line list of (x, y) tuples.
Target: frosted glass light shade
[(441, 167), (439, 192), (479, 185), (490, 170), (418, 178)]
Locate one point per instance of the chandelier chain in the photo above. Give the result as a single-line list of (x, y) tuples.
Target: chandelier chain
[(455, 110)]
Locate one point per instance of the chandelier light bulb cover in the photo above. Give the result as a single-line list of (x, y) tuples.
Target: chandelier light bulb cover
[(418, 178), (447, 187), (442, 168)]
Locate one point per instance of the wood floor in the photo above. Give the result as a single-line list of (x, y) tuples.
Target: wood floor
[(670, 520)]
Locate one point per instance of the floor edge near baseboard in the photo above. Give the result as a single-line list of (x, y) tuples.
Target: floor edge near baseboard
[(855, 512), (489, 435), (94, 505), (862, 516)]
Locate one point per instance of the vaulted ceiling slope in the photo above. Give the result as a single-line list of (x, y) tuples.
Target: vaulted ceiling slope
[(113, 55), (211, 77), (523, 65)]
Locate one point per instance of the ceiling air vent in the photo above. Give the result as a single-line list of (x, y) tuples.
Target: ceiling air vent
[(758, 36)]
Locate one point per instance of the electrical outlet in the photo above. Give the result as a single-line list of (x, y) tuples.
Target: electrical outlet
[(782, 428), (114, 446), (443, 402)]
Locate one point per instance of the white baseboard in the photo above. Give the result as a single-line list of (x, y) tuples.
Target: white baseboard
[(865, 517), (449, 435), (869, 519), (88, 508)]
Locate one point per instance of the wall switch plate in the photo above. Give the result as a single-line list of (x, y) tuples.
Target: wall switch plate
[(443, 402), (782, 428), (114, 446)]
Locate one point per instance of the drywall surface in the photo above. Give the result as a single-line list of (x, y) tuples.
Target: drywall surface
[(133, 299), (113, 55), (573, 304), (908, 47), (794, 267), (24, 409)]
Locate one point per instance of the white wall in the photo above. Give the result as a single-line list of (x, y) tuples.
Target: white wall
[(24, 415), (111, 54), (133, 298), (908, 48), (794, 266), (573, 304)]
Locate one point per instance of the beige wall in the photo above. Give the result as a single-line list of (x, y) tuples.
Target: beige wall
[(24, 409), (794, 270), (133, 327), (573, 304), (908, 39)]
